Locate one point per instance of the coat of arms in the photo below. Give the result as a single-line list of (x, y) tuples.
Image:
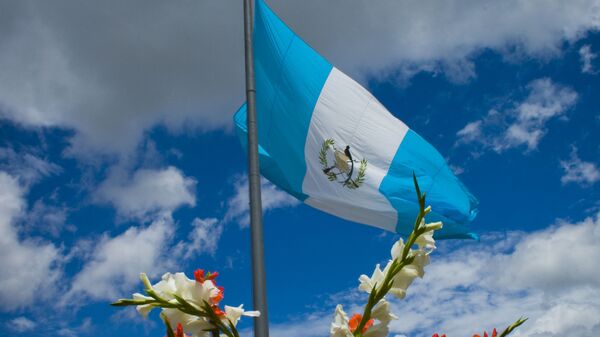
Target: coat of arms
[(343, 168)]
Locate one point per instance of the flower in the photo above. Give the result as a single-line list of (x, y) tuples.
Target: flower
[(377, 326), (179, 331), (436, 335), (382, 315), (397, 249), (404, 278), (355, 321), (402, 281), (200, 277), (194, 325), (339, 326), (176, 291), (143, 309), (193, 292), (425, 241), (233, 314), (381, 312), (368, 283), (494, 334)]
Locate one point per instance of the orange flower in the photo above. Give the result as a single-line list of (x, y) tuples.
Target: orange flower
[(200, 277), (436, 335), (355, 320), (216, 299), (494, 334), (179, 331), (218, 311)]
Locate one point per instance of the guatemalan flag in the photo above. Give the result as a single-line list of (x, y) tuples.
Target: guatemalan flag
[(327, 141)]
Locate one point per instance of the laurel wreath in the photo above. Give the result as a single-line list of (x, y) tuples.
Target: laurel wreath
[(350, 183), (360, 177)]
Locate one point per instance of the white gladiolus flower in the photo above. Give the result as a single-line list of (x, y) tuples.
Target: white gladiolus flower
[(191, 305), (193, 292), (193, 325), (143, 309), (381, 312), (397, 249), (339, 326), (367, 283), (198, 327), (421, 259), (234, 314), (408, 273), (425, 241), (434, 226)]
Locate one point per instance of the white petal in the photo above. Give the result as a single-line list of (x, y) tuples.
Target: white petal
[(198, 326), (252, 313), (397, 249), (381, 312), (166, 287), (339, 326), (143, 309), (377, 330), (140, 297), (365, 283), (175, 316), (426, 242), (234, 313), (398, 292)]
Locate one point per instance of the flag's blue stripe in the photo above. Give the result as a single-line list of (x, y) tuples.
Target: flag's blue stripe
[(289, 78), (268, 167), (449, 199)]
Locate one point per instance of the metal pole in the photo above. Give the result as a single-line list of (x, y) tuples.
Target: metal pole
[(261, 324)]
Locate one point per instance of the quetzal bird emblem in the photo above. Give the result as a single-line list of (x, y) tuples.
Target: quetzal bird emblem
[(340, 166)]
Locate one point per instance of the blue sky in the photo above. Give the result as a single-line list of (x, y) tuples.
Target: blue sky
[(117, 155)]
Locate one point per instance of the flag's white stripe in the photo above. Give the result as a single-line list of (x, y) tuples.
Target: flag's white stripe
[(350, 115)]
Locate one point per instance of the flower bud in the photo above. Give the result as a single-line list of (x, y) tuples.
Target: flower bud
[(434, 226), (145, 281)]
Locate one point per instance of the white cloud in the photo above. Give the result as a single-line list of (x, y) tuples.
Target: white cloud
[(182, 65), (203, 238), (471, 132), (578, 171), (587, 57), (75, 331), (21, 324), (523, 124), (148, 192), (47, 218), (238, 207), (116, 262), (26, 165), (456, 169), (550, 276), (29, 265)]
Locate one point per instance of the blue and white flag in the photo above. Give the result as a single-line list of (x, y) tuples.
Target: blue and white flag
[(327, 141)]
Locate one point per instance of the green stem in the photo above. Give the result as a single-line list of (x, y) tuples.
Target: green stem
[(396, 266)]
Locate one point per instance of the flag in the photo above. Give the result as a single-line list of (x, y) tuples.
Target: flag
[(327, 141)]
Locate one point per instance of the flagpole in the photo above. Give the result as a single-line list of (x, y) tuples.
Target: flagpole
[(261, 324)]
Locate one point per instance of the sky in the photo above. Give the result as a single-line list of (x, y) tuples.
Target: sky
[(118, 156)]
